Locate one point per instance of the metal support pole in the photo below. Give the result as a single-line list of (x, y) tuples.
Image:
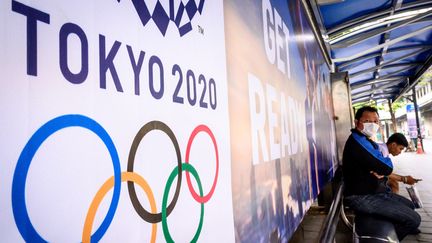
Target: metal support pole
[(417, 116)]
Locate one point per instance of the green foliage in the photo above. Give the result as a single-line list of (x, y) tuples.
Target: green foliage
[(401, 103), (383, 106), (427, 76), (357, 106)]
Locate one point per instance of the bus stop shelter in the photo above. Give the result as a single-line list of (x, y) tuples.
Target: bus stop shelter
[(384, 45)]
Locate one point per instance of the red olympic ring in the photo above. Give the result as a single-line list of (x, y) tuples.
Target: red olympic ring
[(205, 198)]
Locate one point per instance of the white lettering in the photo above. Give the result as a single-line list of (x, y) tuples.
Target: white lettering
[(285, 132), (284, 139), (272, 118), (279, 41), (276, 36), (269, 30), (258, 118)]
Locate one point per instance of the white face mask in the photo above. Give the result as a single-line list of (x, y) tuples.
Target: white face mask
[(370, 129)]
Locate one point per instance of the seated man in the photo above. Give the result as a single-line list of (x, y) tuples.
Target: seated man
[(364, 192), (396, 143)]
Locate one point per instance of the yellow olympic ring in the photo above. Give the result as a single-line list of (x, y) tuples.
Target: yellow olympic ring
[(125, 176)]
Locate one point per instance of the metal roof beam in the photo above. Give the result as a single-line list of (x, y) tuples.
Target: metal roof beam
[(362, 36), (375, 98), (317, 28), (405, 7), (382, 66), (414, 80), (373, 92), (396, 5), (376, 81), (354, 102), (346, 64), (389, 89), (388, 43), (320, 23), (359, 87), (361, 100), (372, 97), (356, 97), (373, 55), (387, 85), (400, 70), (380, 88)]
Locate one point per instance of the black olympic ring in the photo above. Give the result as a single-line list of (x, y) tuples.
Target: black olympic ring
[(142, 212)]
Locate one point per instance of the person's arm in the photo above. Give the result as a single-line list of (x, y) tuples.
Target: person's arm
[(371, 157), (404, 179), (378, 164)]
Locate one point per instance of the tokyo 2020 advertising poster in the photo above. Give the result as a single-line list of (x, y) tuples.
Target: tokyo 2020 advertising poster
[(114, 122)]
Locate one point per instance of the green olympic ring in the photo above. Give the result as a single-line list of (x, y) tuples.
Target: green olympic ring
[(174, 173)]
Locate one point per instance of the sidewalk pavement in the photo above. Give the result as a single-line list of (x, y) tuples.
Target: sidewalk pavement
[(418, 166)]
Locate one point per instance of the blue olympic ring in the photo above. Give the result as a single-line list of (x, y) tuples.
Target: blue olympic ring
[(19, 208)]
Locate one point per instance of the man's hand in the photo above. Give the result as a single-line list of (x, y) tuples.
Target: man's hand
[(377, 175), (410, 180)]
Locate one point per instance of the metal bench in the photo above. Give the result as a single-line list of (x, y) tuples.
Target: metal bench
[(368, 228), (372, 229)]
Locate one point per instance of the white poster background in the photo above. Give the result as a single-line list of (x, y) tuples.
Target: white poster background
[(73, 163)]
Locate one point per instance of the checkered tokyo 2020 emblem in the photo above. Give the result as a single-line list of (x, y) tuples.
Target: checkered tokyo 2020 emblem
[(180, 15)]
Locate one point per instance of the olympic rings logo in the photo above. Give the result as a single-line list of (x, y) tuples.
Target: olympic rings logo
[(22, 219)]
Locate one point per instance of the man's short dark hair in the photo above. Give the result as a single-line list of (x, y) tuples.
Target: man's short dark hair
[(360, 111), (398, 138)]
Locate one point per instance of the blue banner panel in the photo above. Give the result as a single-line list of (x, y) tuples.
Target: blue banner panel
[(281, 117)]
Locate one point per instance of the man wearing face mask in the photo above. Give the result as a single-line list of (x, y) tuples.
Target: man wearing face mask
[(364, 191)]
